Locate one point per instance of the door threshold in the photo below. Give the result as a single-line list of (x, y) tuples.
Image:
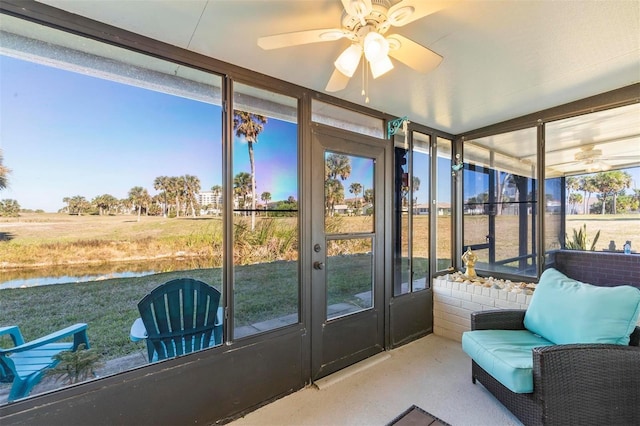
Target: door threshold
[(338, 376)]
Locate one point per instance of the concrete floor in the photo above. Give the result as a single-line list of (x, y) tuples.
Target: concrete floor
[(432, 373)]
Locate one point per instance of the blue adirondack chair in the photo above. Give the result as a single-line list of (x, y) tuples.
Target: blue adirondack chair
[(178, 317), (25, 363)]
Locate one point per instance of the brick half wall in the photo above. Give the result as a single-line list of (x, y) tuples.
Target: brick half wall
[(599, 268), (453, 303)]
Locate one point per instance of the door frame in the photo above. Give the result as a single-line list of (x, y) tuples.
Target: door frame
[(383, 267)]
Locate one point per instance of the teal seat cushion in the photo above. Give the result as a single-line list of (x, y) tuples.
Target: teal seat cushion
[(505, 354), (567, 311)]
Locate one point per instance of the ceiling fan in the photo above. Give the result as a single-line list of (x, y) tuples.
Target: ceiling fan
[(364, 24), (593, 160)]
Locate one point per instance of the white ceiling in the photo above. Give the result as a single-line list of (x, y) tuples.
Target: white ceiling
[(502, 59)]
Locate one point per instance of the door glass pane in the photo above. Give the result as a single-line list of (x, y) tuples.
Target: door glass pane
[(348, 193), (401, 227), (411, 213), (265, 210), (420, 211), (349, 275), (443, 214), (553, 215)]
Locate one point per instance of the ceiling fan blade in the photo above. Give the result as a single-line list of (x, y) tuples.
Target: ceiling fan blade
[(413, 54), (621, 157), (565, 163), (301, 37), (357, 8), (337, 82), (410, 10)]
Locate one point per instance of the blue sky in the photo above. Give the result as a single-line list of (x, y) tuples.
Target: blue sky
[(477, 183), (65, 134), (276, 162)]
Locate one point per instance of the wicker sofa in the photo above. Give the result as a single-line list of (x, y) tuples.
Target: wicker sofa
[(589, 380)]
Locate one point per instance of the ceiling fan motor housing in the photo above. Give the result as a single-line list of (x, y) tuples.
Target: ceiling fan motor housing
[(588, 154), (376, 19)]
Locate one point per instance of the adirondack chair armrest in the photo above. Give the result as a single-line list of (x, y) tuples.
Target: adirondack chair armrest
[(219, 315), (15, 334), (78, 331), (138, 331)]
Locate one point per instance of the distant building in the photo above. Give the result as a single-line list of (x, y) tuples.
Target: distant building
[(443, 209), (209, 203)]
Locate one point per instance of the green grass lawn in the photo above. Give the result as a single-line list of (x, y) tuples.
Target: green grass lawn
[(266, 282), (261, 292)]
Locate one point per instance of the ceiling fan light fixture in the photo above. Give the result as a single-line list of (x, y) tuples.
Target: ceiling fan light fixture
[(380, 66), (588, 154), (376, 46), (348, 61), (399, 16), (598, 166)]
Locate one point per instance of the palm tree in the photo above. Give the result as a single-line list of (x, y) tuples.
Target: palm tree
[(574, 200), (266, 197), (78, 204), (337, 165), (355, 188), (4, 172), (249, 126), (124, 205), (334, 194), (162, 184), (192, 188), (505, 180), (217, 190), (589, 187), (404, 191), (139, 197), (67, 201), (104, 203), (242, 188), (175, 187), (574, 184), (368, 195), (610, 184)]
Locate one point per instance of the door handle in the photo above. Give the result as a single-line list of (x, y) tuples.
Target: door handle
[(318, 265)]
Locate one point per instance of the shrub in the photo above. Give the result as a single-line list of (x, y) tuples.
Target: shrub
[(75, 366), (580, 240)]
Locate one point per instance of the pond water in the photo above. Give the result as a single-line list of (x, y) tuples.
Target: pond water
[(23, 278), (38, 281)]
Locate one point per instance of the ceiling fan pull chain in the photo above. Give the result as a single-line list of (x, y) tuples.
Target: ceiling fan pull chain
[(365, 77), (364, 65)]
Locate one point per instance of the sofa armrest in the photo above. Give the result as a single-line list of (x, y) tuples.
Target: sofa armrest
[(500, 319), (634, 339), (588, 383)]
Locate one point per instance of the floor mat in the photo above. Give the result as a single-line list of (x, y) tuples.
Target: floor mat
[(416, 416)]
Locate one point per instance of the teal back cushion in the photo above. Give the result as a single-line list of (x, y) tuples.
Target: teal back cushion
[(565, 311)]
